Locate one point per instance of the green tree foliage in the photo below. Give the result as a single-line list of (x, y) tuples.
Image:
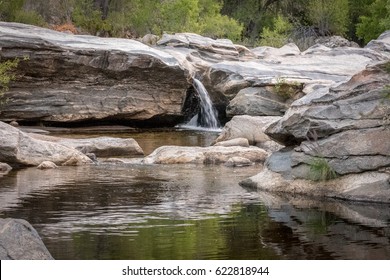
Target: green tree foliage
[(14, 10), (140, 17), (180, 16), (137, 17), (253, 14), (329, 16), (244, 20), (357, 8), (213, 24), (377, 20), (89, 17), (278, 36)]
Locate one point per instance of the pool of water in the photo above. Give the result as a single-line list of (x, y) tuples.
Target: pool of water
[(123, 211)]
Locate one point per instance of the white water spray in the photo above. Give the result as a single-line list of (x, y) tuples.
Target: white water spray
[(207, 118)]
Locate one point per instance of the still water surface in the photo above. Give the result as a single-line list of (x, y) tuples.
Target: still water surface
[(119, 211)]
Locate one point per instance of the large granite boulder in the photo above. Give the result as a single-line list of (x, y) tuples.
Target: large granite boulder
[(204, 155), (75, 78), (250, 128), (342, 132), (318, 66), (257, 101), (355, 105), (20, 241), (18, 148), (365, 187)]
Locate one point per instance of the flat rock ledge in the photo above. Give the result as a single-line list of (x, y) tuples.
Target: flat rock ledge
[(20, 241), (204, 155), (364, 187), (99, 146)]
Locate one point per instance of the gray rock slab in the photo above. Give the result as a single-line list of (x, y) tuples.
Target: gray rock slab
[(20, 241)]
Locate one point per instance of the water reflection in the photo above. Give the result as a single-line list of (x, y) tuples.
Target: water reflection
[(119, 211), (123, 211), (152, 139)]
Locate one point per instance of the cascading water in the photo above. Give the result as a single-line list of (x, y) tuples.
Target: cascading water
[(207, 118)]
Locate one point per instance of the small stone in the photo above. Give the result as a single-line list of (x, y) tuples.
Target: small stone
[(47, 165), (92, 156), (242, 142), (5, 168), (238, 162)]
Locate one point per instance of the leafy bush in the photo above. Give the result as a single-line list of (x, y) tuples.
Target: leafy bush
[(6, 76), (378, 20), (86, 16), (329, 16), (179, 16), (14, 11), (140, 17), (213, 24), (287, 89), (29, 17), (219, 26), (278, 36)]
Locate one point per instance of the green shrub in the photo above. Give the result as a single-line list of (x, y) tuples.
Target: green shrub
[(6, 76), (286, 89), (278, 36), (320, 170), (86, 16), (179, 16), (329, 16), (14, 11), (378, 20), (219, 26)]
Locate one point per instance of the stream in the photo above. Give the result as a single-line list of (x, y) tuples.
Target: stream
[(123, 211)]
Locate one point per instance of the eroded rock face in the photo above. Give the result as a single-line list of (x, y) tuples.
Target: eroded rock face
[(355, 105), (257, 101), (70, 78), (347, 128), (226, 69), (18, 148), (20, 241)]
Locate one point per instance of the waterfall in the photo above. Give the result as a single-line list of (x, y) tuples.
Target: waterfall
[(207, 118)]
